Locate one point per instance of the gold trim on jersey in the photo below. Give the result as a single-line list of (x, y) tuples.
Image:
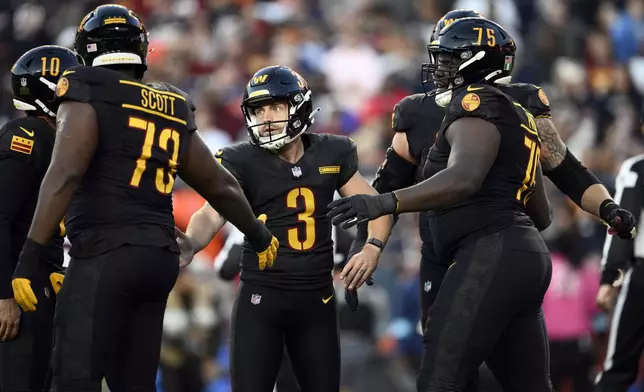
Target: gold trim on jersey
[(142, 109), (131, 83)]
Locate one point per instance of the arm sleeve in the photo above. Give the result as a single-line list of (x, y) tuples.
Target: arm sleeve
[(17, 182), (618, 253)]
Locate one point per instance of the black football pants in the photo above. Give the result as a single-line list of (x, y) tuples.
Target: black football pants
[(265, 320), (489, 308), (109, 320), (626, 339), (24, 360)]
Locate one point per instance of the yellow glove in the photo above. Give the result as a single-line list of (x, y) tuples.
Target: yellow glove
[(56, 279), (267, 256), (24, 294)]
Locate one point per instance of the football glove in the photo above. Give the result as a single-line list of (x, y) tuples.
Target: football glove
[(29, 268), (264, 243), (56, 279), (361, 208), (620, 222)]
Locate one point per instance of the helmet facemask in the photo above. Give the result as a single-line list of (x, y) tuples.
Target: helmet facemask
[(283, 128), (448, 70)]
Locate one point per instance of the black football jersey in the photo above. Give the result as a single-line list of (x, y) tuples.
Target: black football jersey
[(500, 201), (294, 197), (26, 144), (420, 118), (126, 194)]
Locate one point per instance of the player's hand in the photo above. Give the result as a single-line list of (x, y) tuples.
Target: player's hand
[(186, 247), (56, 279), (361, 208), (266, 254), (620, 222), (30, 267), (360, 267), (606, 297), (9, 319)]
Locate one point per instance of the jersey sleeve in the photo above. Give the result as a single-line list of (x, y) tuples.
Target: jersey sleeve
[(226, 157), (75, 84), (477, 101), (536, 101), (17, 182), (349, 161), (191, 122)]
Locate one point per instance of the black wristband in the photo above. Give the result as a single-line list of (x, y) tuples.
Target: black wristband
[(376, 242), (606, 208)]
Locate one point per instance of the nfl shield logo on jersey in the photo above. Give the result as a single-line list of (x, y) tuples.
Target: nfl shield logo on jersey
[(255, 299), (297, 171), (428, 286)]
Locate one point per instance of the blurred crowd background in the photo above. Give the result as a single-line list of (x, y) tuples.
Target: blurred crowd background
[(361, 57)]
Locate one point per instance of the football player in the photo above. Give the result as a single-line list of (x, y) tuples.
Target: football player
[(289, 177), (482, 174), (119, 145), (417, 113), (25, 151)]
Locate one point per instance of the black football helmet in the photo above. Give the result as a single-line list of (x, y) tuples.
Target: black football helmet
[(469, 50), (113, 35), (447, 19), (35, 74), (278, 84)]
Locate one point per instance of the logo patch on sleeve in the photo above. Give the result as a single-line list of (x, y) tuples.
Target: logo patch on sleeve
[(471, 102), (543, 97), (62, 86), (22, 145)]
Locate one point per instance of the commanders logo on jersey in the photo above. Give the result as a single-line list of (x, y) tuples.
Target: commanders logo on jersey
[(471, 102), (543, 98), (62, 86)]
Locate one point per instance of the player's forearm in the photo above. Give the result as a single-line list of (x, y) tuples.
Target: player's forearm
[(578, 183), (203, 227), (593, 197), (442, 190), (380, 228), (55, 195), (229, 200)]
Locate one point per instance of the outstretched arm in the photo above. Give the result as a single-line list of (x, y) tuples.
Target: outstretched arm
[(579, 183), (474, 147), (475, 144)]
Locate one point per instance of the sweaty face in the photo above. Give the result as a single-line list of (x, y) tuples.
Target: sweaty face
[(272, 118), (445, 65)]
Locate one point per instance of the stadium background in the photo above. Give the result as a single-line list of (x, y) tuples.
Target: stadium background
[(361, 57)]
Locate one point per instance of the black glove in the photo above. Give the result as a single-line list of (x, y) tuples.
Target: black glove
[(620, 221), (351, 296), (32, 267), (361, 208)]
